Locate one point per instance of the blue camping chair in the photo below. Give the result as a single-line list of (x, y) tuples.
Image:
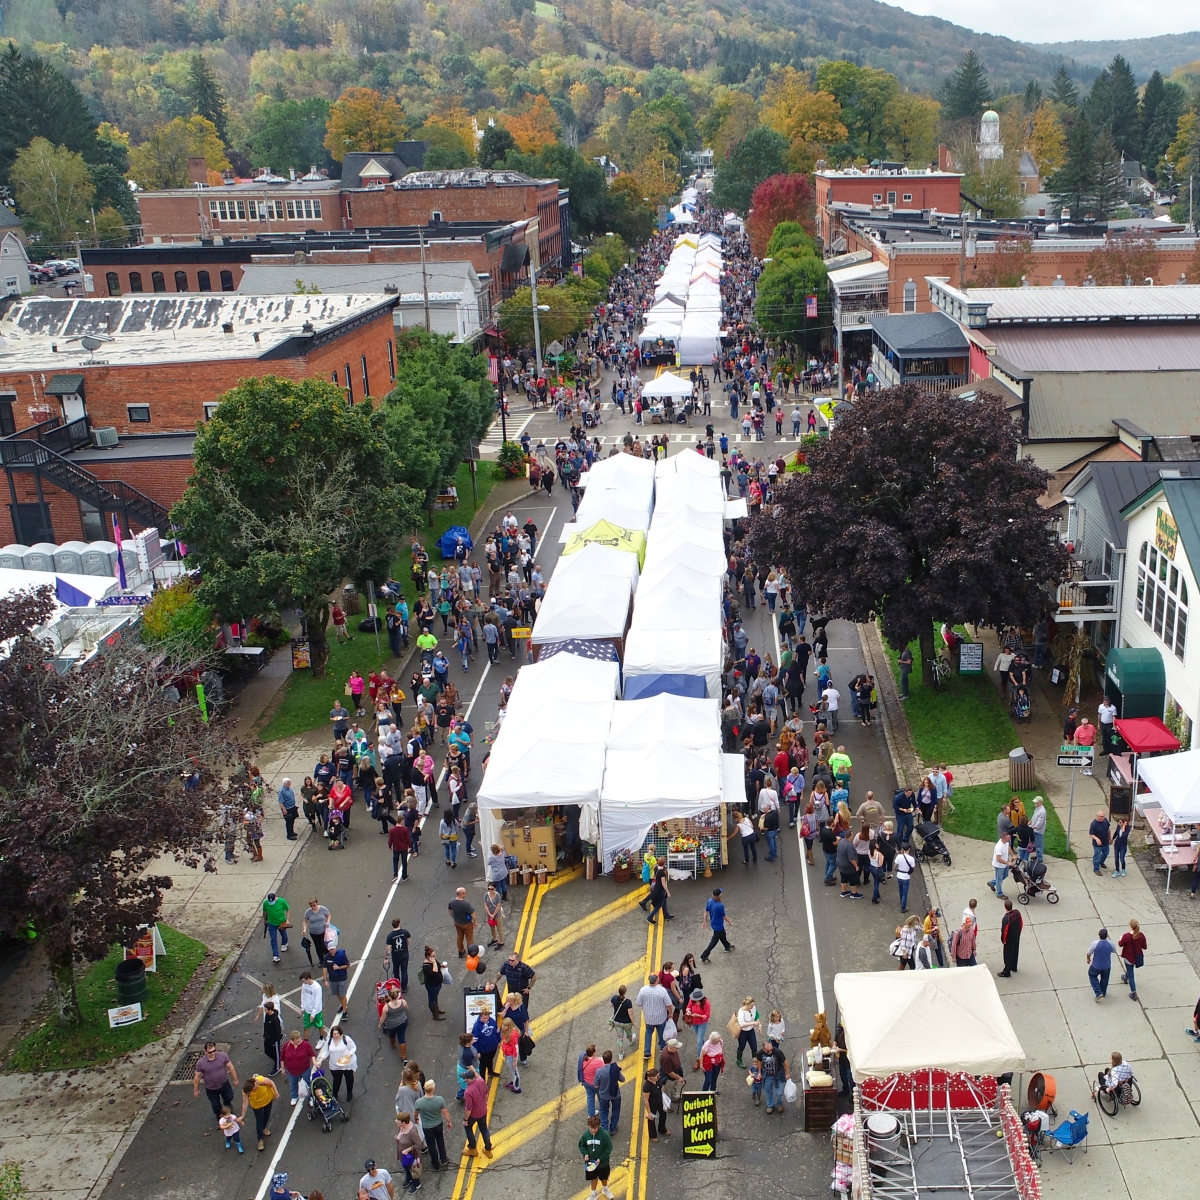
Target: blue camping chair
[(1070, 1135)]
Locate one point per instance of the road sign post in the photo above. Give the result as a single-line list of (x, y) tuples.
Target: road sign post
[(1073, 757), (699, 1116)]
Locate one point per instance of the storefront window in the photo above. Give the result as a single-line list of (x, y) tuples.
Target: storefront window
[(1162, 598)]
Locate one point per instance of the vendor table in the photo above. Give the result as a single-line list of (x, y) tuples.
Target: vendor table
[(1177, 854)]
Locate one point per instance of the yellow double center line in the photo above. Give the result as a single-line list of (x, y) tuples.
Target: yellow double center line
[(632, 1173)]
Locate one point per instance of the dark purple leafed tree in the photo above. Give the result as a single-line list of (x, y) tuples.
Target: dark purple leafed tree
[(916, 509)]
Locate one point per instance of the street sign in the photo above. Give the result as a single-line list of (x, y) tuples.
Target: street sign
[(1072, 748), (554, 349), (699, 1111), (1074, 760)]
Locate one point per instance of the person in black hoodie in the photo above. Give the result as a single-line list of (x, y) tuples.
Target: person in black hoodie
[(272, 1035)]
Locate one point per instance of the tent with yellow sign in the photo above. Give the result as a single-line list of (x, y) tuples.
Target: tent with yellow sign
[(605, 533)]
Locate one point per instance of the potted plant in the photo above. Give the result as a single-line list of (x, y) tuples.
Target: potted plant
[(622, 866), (708, 856)]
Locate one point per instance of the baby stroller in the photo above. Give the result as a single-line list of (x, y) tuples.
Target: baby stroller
[(927, 841), (336, 831), (1032, 881), (321, 1101), (589, 420)]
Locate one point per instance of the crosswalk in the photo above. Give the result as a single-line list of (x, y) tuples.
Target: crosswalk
[(611, 439), (494, 438)]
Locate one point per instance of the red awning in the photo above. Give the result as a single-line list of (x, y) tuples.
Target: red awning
[(1147, 735)]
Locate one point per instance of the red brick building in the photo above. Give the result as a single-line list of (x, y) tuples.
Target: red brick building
[(100, 399), (880, 188)]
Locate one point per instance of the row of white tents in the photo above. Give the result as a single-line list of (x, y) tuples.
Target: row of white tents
[(565, 736), (686, 312)]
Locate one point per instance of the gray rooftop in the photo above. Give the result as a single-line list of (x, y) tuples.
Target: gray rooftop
[(1122, 349), (1046, 305), (1121, 483), (446, 280), (139, 447), (43, 334), (467, 177), (916, 334)]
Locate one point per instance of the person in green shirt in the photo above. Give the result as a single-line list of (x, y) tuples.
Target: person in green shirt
[(431, 1112), (596, 1147), (275, 921), (427, 642), (841, 766)]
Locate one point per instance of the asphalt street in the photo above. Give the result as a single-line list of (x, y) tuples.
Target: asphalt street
[(584, 938)]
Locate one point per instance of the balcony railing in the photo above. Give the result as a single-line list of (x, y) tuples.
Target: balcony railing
[(937, 383), (57, 436), (1086, 600)]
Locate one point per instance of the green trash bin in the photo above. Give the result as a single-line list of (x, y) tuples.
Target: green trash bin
[(131, 980)]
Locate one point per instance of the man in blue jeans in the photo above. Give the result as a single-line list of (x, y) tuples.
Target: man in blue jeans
[(1099, 957), (655, 1002), (829, 841), (1101, 834), (1002, 857), (608, 1093), (904, 865), (905, 805)]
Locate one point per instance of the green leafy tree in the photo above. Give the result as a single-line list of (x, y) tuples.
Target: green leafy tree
[(1063, 90), (205, 96), (967, 92), (161, 161), (759, 155), (919, 510), (790, 235), (495, 145), (864, 94), (289, 135), (442, 398), (782, 304), (112, 191), (38, 101), (293, 490), (566, 316), (54, 191), (109, 228)]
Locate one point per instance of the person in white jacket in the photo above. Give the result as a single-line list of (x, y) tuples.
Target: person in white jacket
[(312, 1005), (342, 1054)]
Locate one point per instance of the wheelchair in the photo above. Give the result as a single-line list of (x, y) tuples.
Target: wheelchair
[(1111, 1101)]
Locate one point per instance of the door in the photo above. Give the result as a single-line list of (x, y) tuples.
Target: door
[(73, 408)]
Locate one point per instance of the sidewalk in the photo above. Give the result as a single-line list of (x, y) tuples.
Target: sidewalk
[(69, 1130), (1063, 1029)]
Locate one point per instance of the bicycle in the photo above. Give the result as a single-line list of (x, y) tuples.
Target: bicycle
[(941, 671), (1127, 1093)]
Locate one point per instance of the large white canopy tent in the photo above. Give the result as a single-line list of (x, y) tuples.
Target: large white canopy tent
[(677, 720), (599, 560), (660, 331), (663, 574), (880, 1009), (583, 605), (1174, 779), (684, 464), (676, 652), (523, 772), (691, 547), (608, 504), (673, 605), (667, 384), (688, 490), (571, 675)]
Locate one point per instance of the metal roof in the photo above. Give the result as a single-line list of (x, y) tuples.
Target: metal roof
[(467, 177), (1124, 348), (44, 334), (913, 334), (858, 273), (1182, 494), (273, 279), (1121, 483), (1175, 302), (64, 385), (1066, 405)]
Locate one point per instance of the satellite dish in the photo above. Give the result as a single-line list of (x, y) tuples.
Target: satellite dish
[(91, 344)]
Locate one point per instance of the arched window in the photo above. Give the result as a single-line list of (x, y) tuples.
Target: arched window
[(203, 281), (135, 281), (157, 282), (181, 283), (227, 281), (114, 283), (1162, 597)]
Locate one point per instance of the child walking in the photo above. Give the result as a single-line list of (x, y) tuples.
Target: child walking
[(231, 1127), (510, 1048)]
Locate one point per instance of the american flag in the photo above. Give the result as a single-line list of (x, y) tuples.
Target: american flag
[(810, 306), (600, 651)]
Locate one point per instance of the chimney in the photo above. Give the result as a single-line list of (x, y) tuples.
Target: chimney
[(945, 161), (292, 173), (198, 171)]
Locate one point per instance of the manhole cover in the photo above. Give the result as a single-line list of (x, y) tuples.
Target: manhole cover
[(187, 1067)]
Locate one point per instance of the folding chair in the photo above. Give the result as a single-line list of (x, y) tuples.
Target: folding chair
[(1070, 1135)]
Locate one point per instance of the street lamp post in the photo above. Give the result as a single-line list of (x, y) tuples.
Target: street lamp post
[(537, 328)]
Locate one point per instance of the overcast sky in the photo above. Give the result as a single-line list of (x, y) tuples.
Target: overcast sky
[(1068, 20)]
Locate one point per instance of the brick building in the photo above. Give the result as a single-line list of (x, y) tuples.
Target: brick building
[(100, 399), (371, 197), (878, 189)]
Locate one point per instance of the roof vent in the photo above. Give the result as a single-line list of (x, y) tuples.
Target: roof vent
[(308, 327), (227, 327)]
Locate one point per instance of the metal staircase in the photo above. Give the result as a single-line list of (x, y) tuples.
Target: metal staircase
[(20, 452)]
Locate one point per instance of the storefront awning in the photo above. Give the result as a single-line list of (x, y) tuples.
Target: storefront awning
[(1147, 735)]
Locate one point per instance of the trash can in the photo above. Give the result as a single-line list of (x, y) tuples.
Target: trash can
[(351, 600), (1021, 777), (131, 980)]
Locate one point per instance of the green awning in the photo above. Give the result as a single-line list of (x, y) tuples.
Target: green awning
[(65, 385), (1138, 676)]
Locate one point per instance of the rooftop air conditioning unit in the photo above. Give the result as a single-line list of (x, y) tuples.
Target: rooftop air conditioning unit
[(105, 436)]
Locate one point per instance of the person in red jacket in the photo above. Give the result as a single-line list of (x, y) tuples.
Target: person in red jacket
[(298, 1058), (400, 844), (342, 799)]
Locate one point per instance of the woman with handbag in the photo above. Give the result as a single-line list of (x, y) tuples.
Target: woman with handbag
[(431, 977), (748, 1025), (409, 1145), (712, 1060), (697, 1014), (448, 832)]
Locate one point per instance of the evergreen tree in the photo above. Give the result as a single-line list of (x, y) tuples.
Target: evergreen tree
[(1063, 90), (1124, 122), (1162, 105), (966, 93), (36, 100), (1033, 96), (113, 192), (1074, 184), (1108, 191), (495, 144), (205, 96)]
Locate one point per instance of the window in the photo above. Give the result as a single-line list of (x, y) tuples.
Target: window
[(227, 281), (877, 198), (139, 414), (114, 283), (891, 197), (157, 282), (435, 217), (215, 209), (7, 422), (203, 282), (349, 385), (211, 408), (908, 197), (181, 282), (92, 521), (910, 297), (1109, 552), (304, 210), (1162, 598), (349, 211), (391, 361), (333, 376), (135, 281), (366, 382)]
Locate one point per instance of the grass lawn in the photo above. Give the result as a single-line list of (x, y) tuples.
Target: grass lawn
[(963, 722), (306, 700), (975, 810), (52, 1048)]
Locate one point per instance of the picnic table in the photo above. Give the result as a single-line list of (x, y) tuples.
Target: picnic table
[(1176, 850)]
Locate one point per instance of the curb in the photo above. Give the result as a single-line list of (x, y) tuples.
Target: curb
[(189, 1031)]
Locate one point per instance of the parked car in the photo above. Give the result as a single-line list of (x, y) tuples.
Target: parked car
[(59, 266)]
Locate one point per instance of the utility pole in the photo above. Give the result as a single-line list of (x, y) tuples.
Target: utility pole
[(537, 328), (424, 278)]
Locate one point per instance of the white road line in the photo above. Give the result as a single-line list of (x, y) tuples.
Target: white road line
[(282, 1144), (808, 904)]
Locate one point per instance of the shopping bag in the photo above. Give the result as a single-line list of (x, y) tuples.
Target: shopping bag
[(789, 1091)]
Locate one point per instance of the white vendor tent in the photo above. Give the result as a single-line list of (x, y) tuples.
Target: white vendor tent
[(689, 490), (667, 384), (581, 605), (665, 719), (683, 464), (522, 773), (662, 576), (670, 605), (606, 504), (691, 547), (660, 330), (1175, 781), (571, 675), (598, 560), (533, 715), (676, 652), (879, 1010)]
